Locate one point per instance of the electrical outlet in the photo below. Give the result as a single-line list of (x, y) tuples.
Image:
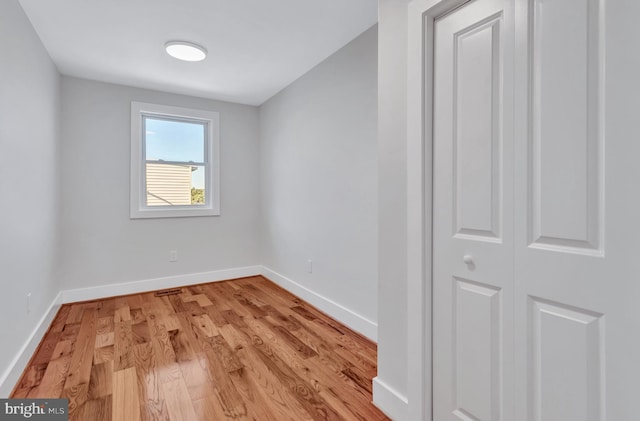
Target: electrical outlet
[(173, 255), (28, 303), (309, 266)]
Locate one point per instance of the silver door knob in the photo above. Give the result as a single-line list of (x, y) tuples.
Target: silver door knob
[(467, 259)]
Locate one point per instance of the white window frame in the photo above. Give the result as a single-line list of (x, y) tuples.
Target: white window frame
[(138, 196)]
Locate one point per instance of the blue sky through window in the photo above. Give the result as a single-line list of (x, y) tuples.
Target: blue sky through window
[(182, 141)]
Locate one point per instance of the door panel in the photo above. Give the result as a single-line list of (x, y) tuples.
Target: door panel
[(477, 354), (473, 225), (476, 135), (567, 351), (566, 140)]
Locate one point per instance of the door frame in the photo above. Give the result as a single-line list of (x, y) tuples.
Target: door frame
[(421, 15)]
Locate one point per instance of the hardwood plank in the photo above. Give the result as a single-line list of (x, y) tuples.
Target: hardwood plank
[(123, 314), (257, 404), (368, 367), (194, 371), (140, 332), (288, 322), (225, 292), (125, 404), (104, 339), (306, 395), (201, 299), (134, 301), (121, 302), (194, 289), (151, 304), (106, 308), (70, 332), (358, 378), (208, 408), (177, 303), (52, 382), (94, 409), (233, 318), (247, 292), (280, 401), (338, 390), (101, 382), (179, 405), (296, 344), (170, 321), (152, 402), (225, 354), (75, 314), (206, 325), (193, 308), (78, 395), (188, 344), (186, 292), (46, 348), (63, 347), (61, 318), (168, 369), (137, 315), (104, 354), (233, 337), (201, 391), (21, 392), (229, 398), (255, 310), (215, 314), (80, 366), (123, 341), (105, 323), (182, 345), (33, 376)]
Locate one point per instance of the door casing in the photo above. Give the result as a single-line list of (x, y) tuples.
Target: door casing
[(421, 17)]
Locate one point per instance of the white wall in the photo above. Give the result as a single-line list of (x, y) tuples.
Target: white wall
[(100, 244), (390, 389), (319, 181), (29, 204)]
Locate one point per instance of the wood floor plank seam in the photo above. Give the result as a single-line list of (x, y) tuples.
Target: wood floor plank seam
[(243, 349)]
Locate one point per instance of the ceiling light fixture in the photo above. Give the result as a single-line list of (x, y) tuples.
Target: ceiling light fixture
[(187, 51)]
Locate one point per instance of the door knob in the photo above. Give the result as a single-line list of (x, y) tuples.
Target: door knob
[(467, 259)]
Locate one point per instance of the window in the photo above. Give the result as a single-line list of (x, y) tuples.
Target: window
[(174, 162)]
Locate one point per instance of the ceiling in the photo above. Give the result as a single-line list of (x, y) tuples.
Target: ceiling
[(256, 47)]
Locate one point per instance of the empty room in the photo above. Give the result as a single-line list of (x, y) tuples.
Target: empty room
[(332, 210)]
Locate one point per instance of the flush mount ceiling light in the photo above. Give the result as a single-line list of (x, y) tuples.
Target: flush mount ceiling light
[(187, 51)]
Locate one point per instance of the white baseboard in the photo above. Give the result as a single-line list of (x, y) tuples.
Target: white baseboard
[(124, 288), (344, 315), (12, 374), (389, 401)]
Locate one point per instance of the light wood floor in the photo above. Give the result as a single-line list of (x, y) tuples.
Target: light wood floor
[(243, 349)]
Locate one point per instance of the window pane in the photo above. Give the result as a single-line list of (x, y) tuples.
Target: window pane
[(175, 185), (197, 185), (170, 140)]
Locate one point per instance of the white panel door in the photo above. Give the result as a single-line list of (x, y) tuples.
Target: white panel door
[(536, 197), (473, 214), (576, 207)]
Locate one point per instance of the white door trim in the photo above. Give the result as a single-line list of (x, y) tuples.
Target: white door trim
[(421, 16)]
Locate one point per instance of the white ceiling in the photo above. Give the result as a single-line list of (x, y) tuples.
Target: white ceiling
[(256, 47)]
